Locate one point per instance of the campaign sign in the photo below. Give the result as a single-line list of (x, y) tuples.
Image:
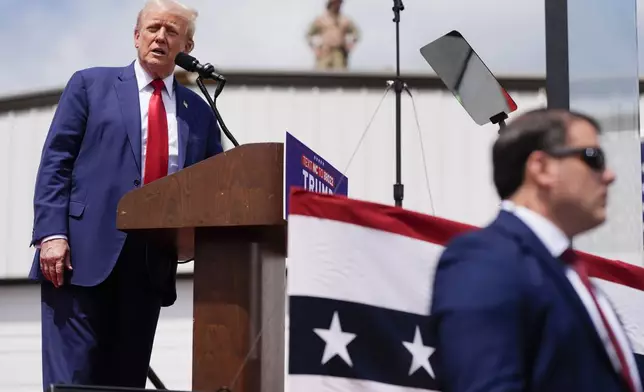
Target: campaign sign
[(303, 168)]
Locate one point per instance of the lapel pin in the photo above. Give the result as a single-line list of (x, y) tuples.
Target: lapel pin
[(185, 104)]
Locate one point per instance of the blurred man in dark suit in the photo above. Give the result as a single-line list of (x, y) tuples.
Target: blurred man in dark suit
[(514, 307), (114, 129)]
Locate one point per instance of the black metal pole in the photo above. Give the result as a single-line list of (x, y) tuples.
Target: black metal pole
[(557, 64), (399, 189)]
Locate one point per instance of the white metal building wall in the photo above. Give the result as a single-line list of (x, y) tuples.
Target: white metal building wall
[(23, 135)]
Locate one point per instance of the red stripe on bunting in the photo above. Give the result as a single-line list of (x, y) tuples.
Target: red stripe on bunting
[(432, 229)]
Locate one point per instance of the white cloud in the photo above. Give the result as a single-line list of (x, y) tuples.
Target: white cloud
[(56, 38)]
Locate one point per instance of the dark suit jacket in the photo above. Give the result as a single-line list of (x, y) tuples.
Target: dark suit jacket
[(92, 157), (507, 318)]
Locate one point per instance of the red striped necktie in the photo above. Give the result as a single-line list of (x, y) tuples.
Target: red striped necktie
[(156, 152), (578, 265)]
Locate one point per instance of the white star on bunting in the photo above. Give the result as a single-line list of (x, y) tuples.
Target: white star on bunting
[(420, 354), (336, 341)]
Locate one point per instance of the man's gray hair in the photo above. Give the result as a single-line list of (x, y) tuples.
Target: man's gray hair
[(182, 10)]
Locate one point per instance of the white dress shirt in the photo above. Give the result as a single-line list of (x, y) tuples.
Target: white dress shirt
[(557, 242), (143, 80)]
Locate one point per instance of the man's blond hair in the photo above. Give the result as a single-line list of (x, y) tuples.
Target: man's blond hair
[(181, 10)]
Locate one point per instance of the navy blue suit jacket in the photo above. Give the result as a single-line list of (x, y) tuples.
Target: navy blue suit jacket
[(92, 157), (507, 319)]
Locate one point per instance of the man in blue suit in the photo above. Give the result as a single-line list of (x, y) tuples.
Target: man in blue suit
[(114, 130), (514, 308)]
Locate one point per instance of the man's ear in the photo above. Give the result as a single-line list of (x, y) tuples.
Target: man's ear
[(539, 169), (189, 46), (137, 34)]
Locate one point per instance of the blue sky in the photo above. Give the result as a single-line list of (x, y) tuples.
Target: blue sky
[(55, 38)]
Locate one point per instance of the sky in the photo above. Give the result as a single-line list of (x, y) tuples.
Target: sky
[(49, 40)]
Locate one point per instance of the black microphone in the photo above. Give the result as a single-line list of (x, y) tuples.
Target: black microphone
[(191, 64)]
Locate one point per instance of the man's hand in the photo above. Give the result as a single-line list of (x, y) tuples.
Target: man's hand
[(54, 257)]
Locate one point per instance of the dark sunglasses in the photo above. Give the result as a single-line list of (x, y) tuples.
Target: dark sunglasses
[(593, 157)]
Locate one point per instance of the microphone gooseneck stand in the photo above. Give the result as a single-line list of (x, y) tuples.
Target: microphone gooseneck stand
[(221, 82)]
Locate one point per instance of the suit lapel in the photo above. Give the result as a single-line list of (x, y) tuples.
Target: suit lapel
[(182, 123), (128, 97), (510, 225)]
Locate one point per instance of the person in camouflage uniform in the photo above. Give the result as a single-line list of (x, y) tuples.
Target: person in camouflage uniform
[(332, 36)]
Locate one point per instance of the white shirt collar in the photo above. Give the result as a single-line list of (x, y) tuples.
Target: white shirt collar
[(143, 79), (550, 235)]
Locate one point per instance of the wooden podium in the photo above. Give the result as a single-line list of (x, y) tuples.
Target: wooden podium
[(227, 212)]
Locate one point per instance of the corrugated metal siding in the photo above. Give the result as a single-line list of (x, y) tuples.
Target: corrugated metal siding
[(20, 339), (331, 121), (23, 137)]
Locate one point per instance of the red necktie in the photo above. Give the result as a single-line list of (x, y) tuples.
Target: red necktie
[(156, 152), (571, 258)]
